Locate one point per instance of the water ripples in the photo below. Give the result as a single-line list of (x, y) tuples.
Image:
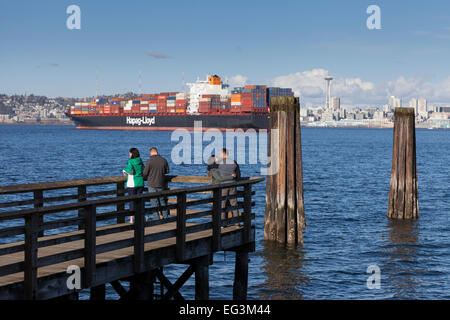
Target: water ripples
[(346, 185)]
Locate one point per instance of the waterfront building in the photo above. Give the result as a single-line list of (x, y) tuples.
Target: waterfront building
[(413, 104), (422, 107), (378, 115), (335, 103), (395, 102)]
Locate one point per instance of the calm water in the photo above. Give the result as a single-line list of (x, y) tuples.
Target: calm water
[(346, 185)]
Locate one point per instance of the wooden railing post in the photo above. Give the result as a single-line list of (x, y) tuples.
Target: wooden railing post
[(181, 226), (120, 191), (247, 212), (139, 231), (89, 245), (217, 219), (31, 255), (81, 197), (39, 203)]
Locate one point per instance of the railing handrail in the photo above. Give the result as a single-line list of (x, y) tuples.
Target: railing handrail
[(55, 185), (110, 201), (34, 225)]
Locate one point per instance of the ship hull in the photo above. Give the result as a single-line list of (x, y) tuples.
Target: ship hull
[(157, 122)]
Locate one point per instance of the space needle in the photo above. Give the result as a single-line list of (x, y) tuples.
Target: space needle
[(328, 80)]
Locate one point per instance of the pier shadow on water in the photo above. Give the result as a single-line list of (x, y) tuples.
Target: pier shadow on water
[(282, 268), (399, 273)]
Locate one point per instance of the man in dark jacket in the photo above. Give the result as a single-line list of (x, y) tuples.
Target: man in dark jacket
[(213, 171), (229, 167), (154, 172)]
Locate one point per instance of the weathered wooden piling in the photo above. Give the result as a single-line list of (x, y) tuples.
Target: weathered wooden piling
[(285, 217), (403, 195)]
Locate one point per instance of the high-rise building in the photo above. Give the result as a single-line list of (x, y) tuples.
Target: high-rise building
[(335, 103), (391, 101), (395, 102), (422, 106), (413, 104), (433, 108)]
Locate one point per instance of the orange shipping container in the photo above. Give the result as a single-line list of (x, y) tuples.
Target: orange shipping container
[(236, 97)]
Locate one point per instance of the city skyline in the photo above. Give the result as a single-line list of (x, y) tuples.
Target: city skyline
[(290, 44)]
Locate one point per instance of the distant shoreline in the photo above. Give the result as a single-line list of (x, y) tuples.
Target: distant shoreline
[(39, 123), (303, 126)]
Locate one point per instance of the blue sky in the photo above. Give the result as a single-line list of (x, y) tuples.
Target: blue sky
[(260, 42)]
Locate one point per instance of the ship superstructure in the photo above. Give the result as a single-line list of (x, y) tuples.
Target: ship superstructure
[(211, 86)]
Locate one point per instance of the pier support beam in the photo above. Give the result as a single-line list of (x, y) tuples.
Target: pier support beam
[(241, 271), (403, 195), (142, 286), (285, 217), (98, 293), (201, 269), (240, 276)]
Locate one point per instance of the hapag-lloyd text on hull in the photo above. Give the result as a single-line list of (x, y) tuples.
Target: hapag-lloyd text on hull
[(141, 121)]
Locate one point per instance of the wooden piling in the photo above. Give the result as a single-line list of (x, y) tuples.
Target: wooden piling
[(201, 269), (403, 195), (285, 218), (240, 275)]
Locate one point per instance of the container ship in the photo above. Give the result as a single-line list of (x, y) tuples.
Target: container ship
[(208, 101)]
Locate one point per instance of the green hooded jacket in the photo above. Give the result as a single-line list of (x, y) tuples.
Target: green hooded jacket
[(134, 170)]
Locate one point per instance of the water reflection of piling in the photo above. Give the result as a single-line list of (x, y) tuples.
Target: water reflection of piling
[(285, 220), (399, 271), (282, 268), (403, 195)]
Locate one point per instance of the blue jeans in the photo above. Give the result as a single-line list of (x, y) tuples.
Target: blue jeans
[(133, 191), (157, 202)]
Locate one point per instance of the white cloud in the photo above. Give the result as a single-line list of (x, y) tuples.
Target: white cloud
[(238, 81), (310, 86)]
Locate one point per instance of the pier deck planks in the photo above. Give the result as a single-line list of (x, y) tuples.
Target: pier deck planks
[(102, 257)]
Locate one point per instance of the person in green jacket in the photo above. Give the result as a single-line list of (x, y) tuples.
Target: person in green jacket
[(133, 172)]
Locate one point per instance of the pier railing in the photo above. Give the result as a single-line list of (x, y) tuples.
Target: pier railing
[(94, 229)]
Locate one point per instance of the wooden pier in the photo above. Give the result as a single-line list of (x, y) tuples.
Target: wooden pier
[(40, 243)]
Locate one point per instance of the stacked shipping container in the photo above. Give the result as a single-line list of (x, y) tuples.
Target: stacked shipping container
[(278, 92), (247, 99)]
